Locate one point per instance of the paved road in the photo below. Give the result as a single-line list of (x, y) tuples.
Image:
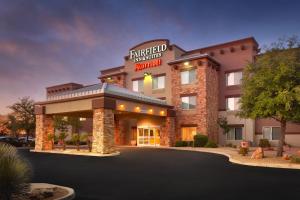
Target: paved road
[(145, 173)]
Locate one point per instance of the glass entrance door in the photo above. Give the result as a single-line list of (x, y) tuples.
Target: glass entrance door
[(148, 136)]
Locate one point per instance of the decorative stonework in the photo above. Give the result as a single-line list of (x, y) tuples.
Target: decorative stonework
[(44, 126), (205, 88), (167, 137), (103, 131)]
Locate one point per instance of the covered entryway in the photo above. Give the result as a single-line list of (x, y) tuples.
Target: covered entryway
[(120, 117), (148, 136)]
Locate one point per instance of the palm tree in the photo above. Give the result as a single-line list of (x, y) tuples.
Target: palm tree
[(15, 174)]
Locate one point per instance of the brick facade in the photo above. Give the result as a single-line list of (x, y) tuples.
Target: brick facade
[(205, 88)]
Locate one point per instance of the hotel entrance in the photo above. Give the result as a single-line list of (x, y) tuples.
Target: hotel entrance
[(148, 136)]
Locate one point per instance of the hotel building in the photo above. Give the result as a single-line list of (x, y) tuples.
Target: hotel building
[(162, 94)]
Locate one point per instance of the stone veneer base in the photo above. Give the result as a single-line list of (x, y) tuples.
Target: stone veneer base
[(75, 153)]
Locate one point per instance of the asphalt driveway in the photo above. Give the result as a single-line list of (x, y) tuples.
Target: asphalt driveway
[(147, 173)]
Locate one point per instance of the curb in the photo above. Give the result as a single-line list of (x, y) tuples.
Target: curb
[(232, 160), (71, 193), (77, 153)]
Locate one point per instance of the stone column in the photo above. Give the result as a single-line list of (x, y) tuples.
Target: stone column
[(103, 131), (44, 126), (170, 130)]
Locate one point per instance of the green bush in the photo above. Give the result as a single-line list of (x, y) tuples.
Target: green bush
[(295, 159), (15, 173), (243, 151), (190, 143), (263, 143), (200, 140), (181, 144), (211, 144)]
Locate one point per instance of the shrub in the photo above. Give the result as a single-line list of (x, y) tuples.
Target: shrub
[(243, 151), (211, 144), (15, 174), (228, 145), (190, 143), (200, 140), (181, 144), (295, 159), (263, 143)]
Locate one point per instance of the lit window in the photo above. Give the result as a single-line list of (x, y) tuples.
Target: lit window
[(235, 133), (188, 102), (187, 133), (234, 78), (158, 82), (271, 133), (188, 76), (232, 103), (138, 85)]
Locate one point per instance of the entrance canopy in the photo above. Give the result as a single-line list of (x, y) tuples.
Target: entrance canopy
[(105, 95)]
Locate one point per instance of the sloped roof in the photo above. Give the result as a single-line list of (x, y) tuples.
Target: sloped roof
[(109, 89)]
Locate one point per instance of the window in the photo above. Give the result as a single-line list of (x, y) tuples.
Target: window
[(158, 82), (271, 133), (188, 102), (232, 103), (188, 76), (235, 133), (187, 133), (234, 78), (138, 85)]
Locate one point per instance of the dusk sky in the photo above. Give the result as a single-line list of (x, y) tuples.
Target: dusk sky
[(48, 42)]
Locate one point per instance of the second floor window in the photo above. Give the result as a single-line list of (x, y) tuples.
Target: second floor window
[(188, 102), (188, 76), (232, 103), (138, 85), (158, 82), (234, 78)]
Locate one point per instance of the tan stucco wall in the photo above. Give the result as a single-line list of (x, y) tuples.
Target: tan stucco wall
[(70, 106), (248, 129)]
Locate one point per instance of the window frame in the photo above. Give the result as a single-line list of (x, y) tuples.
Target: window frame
[(188, 127), (188, 71), (139, 89), (188, 96), (235, 137), (157, 77), (271, 139), (234, 72), (235, 104)]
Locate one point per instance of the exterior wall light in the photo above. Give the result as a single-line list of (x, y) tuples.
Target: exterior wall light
[(122, 107), (137, 109), (186, 63), (150, 111), (162, 112)]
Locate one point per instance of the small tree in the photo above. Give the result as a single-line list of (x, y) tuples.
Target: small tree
[(52, 138), (76, 140), (24, 113), (60, 124), (271, 86), (75, 124), (223, 123), (12, 125)]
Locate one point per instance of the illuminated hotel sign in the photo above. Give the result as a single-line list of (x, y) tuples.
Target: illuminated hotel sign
[(147, 54), (150, 53)]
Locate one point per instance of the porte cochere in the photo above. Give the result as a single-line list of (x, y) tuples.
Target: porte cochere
[(118, 116)]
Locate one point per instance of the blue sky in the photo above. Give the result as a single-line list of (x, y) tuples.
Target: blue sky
[(46, 42)]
